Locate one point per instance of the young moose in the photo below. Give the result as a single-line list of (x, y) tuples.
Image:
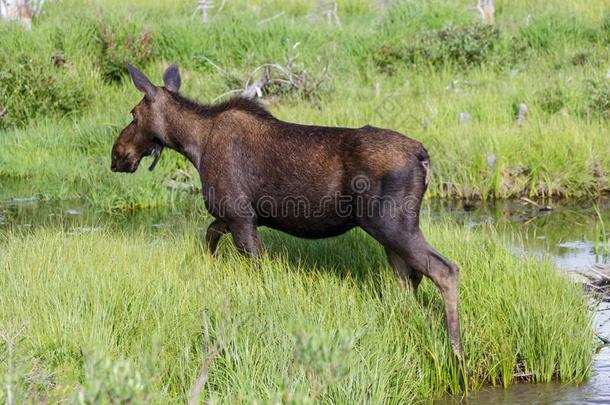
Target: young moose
[(308, 181)]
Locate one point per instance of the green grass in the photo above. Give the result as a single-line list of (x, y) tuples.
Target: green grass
[(119, 315), (308, 318), (64, 116)]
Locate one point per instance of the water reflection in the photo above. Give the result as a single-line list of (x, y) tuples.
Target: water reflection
[(567, 232)]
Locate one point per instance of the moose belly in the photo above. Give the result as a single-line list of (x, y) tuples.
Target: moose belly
[(308, 227)]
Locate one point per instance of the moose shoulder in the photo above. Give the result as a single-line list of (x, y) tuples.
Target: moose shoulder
[(308, 181)]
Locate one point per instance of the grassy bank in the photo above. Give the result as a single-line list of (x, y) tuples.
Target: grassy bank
[(413, 67), (305, 324), (120, 313)]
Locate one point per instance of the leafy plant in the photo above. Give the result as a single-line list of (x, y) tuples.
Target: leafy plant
[(464, 46), (388, 56), (598, 97), (461, 46), (31, 86), (552, 98), (109, 381), (119, 46)]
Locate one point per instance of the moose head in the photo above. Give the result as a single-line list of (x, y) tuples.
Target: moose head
[(146, 133)]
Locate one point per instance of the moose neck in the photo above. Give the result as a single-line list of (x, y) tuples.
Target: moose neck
[(189, 126), (186, 132)]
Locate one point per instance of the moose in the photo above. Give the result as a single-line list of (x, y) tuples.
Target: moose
[(308, 181)]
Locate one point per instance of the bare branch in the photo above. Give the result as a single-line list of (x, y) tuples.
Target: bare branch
[(228, 93), (212, 63), (286, 77), (204, 6), (486, 9), (275, 17), (256, 88), (10, 341), (329, 9), (211, 353), (17, 10), (521, 114)]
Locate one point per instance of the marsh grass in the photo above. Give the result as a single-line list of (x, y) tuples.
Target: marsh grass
[(119, 315), (312, 320)]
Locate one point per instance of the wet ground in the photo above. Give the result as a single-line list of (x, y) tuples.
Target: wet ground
[(567, 232)]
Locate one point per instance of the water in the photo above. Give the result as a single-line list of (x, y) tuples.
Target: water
[(566, 233)]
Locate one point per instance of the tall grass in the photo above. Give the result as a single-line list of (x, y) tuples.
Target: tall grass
[(116, 316), (121, 315)]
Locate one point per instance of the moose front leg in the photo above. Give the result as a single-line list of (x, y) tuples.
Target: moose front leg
[(213, 234), (245, 237)]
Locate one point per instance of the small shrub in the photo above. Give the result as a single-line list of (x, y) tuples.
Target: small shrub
[(460, 46), (580, 58), (322, 360), (463, 47), (598, 97), (113, 382), (552, 99), (119, 47), (32, 87), (387, 56)]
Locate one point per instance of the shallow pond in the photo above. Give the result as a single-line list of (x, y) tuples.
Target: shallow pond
[(566, 232)]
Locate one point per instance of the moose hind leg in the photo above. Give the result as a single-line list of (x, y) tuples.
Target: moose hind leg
[(421, 257), (408, 277)]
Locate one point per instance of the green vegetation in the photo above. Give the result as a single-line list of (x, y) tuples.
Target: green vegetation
[(414, 67), (301, 324), (120, 314)]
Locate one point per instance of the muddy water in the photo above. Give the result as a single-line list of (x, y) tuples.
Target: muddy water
[(566, 232)]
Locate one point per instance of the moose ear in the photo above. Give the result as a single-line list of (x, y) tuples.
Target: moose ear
[(171, 78), (142, 83)]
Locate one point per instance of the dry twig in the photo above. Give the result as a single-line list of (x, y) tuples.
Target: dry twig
[(521, 114), (276, 74), (330, 11), (486, 9), (204, 6), (10, 341), (212, 350), (275, 17)]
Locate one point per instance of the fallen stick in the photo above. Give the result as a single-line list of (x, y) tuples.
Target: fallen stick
[(603, 339), (599, 273), (266, 20)]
